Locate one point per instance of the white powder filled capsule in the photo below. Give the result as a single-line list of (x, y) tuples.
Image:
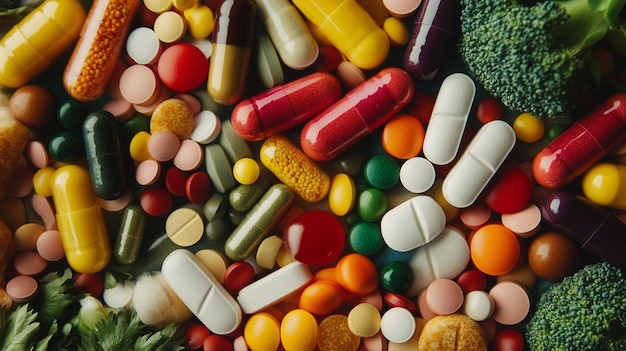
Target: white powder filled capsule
[(201, 292), (448, 119), (413, 223), (478, 164)]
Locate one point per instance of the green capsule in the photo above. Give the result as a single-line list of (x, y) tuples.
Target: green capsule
[(130, 235), (243, 197), (372, 204), (259, 221), (104, 155)]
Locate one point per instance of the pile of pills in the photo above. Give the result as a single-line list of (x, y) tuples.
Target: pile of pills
[(308, 191)]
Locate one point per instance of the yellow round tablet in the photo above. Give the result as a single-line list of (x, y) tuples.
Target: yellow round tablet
[(364, 320), (169, 27), (184, 227), (246, 171), (215, 261)]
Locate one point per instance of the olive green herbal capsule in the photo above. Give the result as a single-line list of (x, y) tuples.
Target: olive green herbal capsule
[(130, 235)]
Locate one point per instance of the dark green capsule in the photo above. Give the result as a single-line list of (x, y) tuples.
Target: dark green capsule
[(104, 156)]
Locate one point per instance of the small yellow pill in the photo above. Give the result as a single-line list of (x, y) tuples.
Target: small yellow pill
[(41, 181), (298, 331), (200, 21), (246, 171), (268, 251), (158, 6), (396, 31), (292, 167), (528, 128), (138, 147), (364, 320), (262, 332), (342, 194), (169, 27), (182, 5), (215, 261)]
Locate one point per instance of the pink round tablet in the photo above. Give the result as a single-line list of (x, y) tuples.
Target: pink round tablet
[(139, 85), (199, 187), (120, 108), (194, 104), (37, 153), (29, 263), (422, 305), (189, 156), (163, 145), (176, 181), (401, 8), (444, 296), (50, 246), (512, 302), (118, 204), (22, 288), (148, 172), (524, 223), (475, 216), (43, 208)]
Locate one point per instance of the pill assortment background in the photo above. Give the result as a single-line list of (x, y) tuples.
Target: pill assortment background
[(300, 191)]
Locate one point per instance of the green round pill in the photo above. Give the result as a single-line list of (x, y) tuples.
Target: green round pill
[(71, 115), (372, 204), (556, 129), (381, 171), (396, 276), (365, 238), (66, 146)]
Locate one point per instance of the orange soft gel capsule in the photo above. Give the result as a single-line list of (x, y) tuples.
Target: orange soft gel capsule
[(494, 249)]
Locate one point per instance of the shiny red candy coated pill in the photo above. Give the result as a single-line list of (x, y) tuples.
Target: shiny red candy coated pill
[(356, 115), (156, 201), (509, 191), (471, 280), (237, 276), (315, 237), (216, 342), (398, 300), (183, 67), (508, 340), (285, 106), (581, 145), (176, 181)]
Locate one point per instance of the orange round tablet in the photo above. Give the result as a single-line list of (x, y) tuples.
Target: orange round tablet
[(321, 297), (357, 274), (403, 136), (494, 249)]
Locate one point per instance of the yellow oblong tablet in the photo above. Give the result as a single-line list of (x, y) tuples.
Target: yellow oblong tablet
[(292, 167), (342, 194)]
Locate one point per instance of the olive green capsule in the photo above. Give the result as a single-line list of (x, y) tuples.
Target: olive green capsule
[(104, 155), (258, 222), (130, 235)]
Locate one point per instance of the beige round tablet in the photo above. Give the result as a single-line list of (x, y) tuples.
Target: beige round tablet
[(215, 261), (184, 227), (349, 74), (401, 8), (364, 320), (524, 223), (139, 85), (148, 172), (169, 27), (268, 250)]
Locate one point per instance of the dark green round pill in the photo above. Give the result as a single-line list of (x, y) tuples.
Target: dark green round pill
[(365, 238), (396, 276)]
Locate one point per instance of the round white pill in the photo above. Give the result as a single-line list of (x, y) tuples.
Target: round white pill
[(417, 175), (143, 45), (478, 305), (397, 325)]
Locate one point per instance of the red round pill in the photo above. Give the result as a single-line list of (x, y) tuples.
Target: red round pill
[(237, 276), (509, 191), (176, 181), (183, 67), (315, 237), (198, 187), (398, 300), (156, 201), (471, 280), (216, 342)]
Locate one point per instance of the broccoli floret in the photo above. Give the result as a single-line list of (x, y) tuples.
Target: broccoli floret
[(531, 56), (586, 311)]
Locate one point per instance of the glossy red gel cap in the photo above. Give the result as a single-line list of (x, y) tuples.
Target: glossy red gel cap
[(285, 106), (361, 111)]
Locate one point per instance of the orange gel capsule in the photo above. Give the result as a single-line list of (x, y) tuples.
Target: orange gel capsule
[(99, 48), (29, 47), (80, 220)]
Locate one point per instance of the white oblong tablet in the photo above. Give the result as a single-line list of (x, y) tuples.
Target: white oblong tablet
[(448, 119), (445, 257), (274, 287), (480, 161), (201, 292), (413, 223)]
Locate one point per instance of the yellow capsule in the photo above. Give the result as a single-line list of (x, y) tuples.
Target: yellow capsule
[(292, 167), (298, 331), (262, 332), (44, 34), (342, 194), (605, 185), (80, 220)]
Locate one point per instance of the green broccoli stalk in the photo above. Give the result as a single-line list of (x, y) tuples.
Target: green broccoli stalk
[(586, 311), (531, 56)]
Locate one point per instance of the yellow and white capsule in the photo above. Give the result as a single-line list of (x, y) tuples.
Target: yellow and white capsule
[(292, 167)]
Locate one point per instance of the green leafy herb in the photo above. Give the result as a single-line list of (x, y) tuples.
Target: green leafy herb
[(55, 299), (18, 329)]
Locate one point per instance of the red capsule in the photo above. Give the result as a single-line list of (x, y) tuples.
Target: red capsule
[(585, 142), (285, 106), (356, 115)]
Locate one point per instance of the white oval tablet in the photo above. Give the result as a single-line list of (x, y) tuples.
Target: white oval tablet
[(478, 305), (445, 257), (413, 223), (143, 46), (207, 127), (274, 287), (480, 161), (448, 119), (201, 292), (417, 175)]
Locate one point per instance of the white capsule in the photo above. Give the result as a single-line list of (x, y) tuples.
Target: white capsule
[(448, 119)]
